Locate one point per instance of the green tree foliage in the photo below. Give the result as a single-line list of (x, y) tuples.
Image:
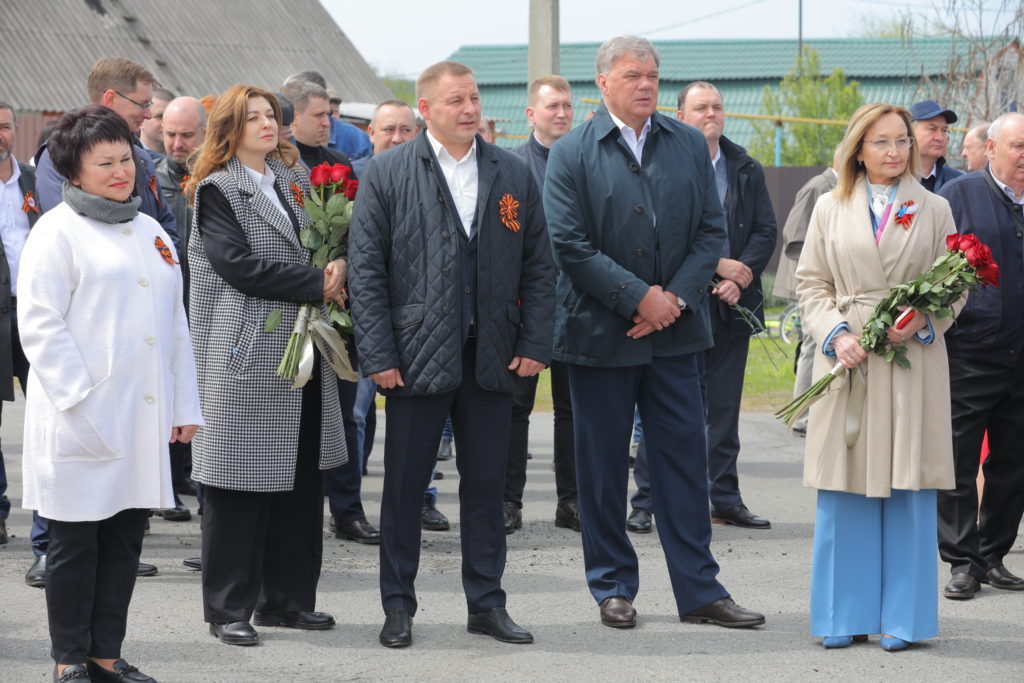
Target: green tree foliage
[(403, 89), (806, 93)]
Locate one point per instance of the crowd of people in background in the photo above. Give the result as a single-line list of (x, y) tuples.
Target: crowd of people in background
[(155, 232)]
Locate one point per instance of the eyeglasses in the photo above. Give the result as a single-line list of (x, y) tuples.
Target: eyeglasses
[(882, 144), (143, 105)]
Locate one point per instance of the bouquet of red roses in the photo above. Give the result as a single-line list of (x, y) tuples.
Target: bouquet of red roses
[(330, 210), (967, 264)]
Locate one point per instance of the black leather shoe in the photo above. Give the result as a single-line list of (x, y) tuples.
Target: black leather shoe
[(724, 612), (444, 450), (1001, 577), (123, 673), (235, 633), (147, 570), (305, 621), (397, 631), (567, 515), (3, 530), (36, 574), (497, 624), (193, 563), (186, 488), (178, 513), (618, 612), (75, 672), (740, 516), (359, 531), (962, 586), (639, 521), (431, 518), (513, 517)]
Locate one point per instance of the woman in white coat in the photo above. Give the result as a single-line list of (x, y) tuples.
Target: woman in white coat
[(874, 566), (103, 326)]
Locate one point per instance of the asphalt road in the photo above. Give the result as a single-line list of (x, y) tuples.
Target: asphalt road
[(981, 639)]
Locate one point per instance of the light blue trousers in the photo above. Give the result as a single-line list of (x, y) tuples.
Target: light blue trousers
[(875, 568)]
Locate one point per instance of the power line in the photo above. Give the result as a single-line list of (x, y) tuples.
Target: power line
[(706, 16)]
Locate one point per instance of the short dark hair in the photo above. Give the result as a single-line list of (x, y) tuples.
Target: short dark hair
[(703, 85), (163, 94), (9, 107), (310, 77), (79, 131)]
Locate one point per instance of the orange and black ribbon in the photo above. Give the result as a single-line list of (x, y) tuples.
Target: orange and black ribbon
[(297, 194), (155, 189), (508, 209), (165, 251), (184, 181), (29, 205)]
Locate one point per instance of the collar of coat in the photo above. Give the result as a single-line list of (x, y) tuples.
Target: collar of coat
[(283, 176), (487, 158), (604, 126)]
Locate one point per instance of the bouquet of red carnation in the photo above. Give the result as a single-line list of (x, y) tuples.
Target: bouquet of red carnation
[(966, 265), (330, 210)]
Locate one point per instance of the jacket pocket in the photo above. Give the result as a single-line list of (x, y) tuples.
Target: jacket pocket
[(408, 315), (242, 349), (90, 430), (515, 316)]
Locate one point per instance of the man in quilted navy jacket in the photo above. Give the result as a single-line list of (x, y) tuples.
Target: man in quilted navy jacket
[(452, 285)]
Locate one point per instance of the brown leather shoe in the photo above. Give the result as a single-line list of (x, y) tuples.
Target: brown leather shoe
[(618, 612), (726, 613)]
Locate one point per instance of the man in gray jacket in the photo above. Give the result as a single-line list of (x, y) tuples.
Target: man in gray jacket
[(452, 287)]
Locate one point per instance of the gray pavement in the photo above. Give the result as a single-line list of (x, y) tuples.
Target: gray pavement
[(980, 639)]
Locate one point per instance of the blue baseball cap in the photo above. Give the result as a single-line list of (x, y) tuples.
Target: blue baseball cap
[(929, 109)]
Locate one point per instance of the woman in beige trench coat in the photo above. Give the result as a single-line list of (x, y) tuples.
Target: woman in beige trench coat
[(874, 568)]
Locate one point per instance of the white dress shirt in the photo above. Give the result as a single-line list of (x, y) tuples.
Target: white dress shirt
[(13, 223), (265, 181), (635, 144), (463, 178)]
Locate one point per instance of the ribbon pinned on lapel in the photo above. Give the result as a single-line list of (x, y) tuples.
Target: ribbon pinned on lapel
[(508, 209), (155, 189), (165, 251), (29, 204)]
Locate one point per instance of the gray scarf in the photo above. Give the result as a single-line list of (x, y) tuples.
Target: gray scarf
[(100, 208)]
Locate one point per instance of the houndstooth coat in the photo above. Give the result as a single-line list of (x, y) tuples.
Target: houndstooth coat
[(251, 437)]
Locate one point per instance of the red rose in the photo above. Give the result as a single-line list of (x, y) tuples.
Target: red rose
[(953, 242), (989, 274), (350, 187), (968, 241), (319, 175), (338, 173), (978, 255)]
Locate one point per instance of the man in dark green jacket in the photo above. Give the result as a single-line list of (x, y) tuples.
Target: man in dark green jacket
[(637, 230)]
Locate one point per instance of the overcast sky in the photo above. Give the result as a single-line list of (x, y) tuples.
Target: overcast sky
[(404, 36)]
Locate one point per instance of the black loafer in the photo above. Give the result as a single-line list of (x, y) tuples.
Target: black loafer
[(123, 673), (639, 521), (513, 517), (397, 631), (497, 624), (74, 672), (359, 531), (37, 573), (178, 513), (193, 563), (305, 621), (726, 613), (1001, 577), (740, 516), (431, 518), (235, 633), (567, 515), (962, 586), (147, 569), (618, 612)]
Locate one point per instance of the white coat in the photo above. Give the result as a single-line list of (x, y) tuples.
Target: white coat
[(102, 323)]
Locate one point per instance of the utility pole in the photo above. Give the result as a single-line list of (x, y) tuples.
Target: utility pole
[(542, 55), (800, 28)]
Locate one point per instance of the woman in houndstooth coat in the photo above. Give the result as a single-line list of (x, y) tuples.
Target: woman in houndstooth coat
[(260, 454)]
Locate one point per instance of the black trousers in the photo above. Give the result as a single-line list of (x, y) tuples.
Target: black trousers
[(984, 396), (480, 419), (724, 367), (263, 551), (343, 484), (565, 453), (92, 569)]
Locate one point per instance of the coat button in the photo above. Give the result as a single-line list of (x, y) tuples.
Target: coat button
[(445, 234), (639, 252), (127, 231), (150, 340), (467, 290), (149, 398), (622, 285), (634, 167), (638, 208), (446, 270), (1019, 235), (615, 296), (444, 310), (143, 282)]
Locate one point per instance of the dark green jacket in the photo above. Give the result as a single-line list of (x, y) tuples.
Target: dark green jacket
[(618, 227)]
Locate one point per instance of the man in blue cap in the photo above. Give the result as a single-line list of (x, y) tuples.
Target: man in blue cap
[(930, 125)]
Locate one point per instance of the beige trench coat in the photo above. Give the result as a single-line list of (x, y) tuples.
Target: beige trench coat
[(905, 439)]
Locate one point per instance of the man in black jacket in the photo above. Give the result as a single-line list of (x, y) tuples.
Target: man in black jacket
[(750, 228), (929, 123), (453, 296), (986, 374), (549, 110), (18, 213)]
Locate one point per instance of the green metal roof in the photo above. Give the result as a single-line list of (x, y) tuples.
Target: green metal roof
[(721, 60)]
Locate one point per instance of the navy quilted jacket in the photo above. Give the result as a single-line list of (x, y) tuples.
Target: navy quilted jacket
[(403, 271)]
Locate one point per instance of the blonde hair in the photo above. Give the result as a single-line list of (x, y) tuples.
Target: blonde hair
[(553, 81), (224, 130), (118, 74), (433, 73), (849, 168)]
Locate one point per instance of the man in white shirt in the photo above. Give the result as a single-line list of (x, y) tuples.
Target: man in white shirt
[(18, 212), (452, 287)]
